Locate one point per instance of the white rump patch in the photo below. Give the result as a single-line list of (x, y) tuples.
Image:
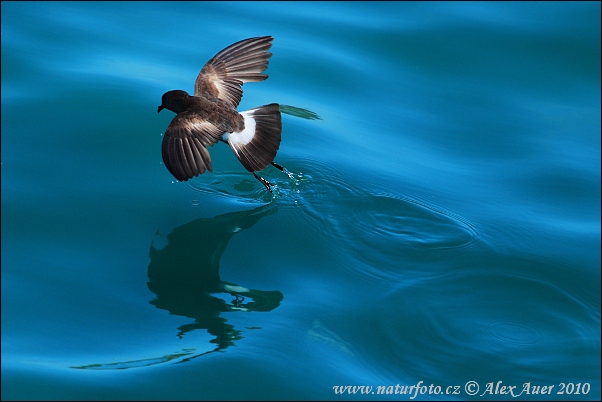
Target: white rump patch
[(245, 136), (235, 289)]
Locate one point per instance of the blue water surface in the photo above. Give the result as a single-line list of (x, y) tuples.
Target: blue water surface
[(438, 235)]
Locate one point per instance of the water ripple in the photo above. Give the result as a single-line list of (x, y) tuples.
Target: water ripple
[(243, 187), (513, 333), (379, 228), (469, 316)]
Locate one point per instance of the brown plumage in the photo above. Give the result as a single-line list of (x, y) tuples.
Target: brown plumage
[(210, 115)]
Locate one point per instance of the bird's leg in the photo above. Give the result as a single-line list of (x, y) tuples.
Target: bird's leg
[(237, 302), (277, 166), (266, 183), (283, 170)]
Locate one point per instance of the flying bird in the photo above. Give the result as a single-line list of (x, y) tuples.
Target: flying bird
[(210, 115)]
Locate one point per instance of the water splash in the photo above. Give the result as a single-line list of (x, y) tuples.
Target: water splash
[(290, 187), (243, 187)]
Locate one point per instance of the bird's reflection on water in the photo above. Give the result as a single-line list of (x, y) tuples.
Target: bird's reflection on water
[(184, 275)]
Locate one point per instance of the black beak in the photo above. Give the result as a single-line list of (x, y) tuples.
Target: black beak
[(160, 108)]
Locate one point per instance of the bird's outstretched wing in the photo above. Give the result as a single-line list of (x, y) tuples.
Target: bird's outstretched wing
[(256, 145), (185, 145), (241, 62)]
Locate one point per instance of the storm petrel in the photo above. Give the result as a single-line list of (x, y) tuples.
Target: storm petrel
[(211, 116)]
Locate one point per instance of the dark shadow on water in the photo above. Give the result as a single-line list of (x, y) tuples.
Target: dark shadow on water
[(184, 274)]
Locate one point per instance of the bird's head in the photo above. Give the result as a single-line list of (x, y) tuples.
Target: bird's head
[(175, 101)]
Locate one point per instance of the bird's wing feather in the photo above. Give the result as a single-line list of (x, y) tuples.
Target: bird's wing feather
[(256, 145), (224, 75), (185, 143)]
